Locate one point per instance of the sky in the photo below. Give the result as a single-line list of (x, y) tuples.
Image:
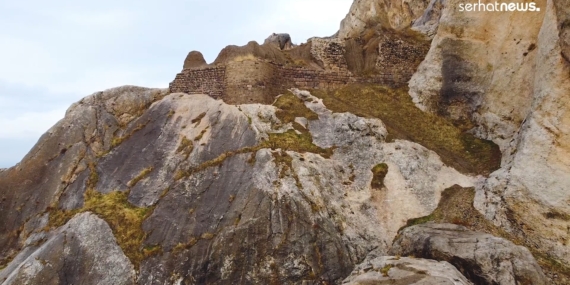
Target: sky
[(53, 53)]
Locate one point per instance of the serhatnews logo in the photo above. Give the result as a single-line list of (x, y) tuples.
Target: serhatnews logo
[(498, 7)]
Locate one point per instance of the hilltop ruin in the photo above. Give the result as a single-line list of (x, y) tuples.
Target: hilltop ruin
[(258, 73)]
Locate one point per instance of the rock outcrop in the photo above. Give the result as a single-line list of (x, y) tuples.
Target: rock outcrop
[(195, 59), (264, 197), (405, 271), (391, 14), (482, 258), (506, 79), (282, 40), (84, 251), (235, 175)]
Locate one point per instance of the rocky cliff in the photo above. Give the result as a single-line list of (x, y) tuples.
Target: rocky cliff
[(460, 176)]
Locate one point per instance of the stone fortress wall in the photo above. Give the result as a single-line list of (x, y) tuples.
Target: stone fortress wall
[(257, 80)]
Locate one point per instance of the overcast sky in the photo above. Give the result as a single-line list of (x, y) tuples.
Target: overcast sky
[(53, 53)]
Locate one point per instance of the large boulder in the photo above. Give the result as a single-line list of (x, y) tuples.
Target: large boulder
[(405, 271), (391, 14), (482, 258), (84, 251), (283, 40)]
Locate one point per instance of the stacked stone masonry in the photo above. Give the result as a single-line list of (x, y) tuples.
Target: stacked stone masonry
[(237, 87), (260, 81), (209, 81)]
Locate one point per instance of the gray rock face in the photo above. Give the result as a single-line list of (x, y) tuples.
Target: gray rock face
[(54, 172), (84, 251), (224, 210), (405, 271), (428, 23), (283, 40), (482, 258)]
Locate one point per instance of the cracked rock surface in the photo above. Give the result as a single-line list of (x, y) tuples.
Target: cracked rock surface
[(405, 270), (483, 258)]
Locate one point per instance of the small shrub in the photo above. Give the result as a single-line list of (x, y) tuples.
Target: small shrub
[(379, 172)]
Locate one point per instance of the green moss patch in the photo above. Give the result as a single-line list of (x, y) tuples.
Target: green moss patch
[(291, 140), (198, 119), (403, 120), (124, 218), (290, 107), (379, 172), (186, 147), (140, 176)]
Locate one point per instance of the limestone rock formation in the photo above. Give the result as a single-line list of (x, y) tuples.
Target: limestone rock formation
[(178, 178), (507, 79), (195, 59), (484, 259), (84, 251), (391, 14), (299, 165), (282, 40), (404, 271)]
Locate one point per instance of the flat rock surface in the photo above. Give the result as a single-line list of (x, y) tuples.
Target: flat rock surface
[(405, 270), (482, 258)]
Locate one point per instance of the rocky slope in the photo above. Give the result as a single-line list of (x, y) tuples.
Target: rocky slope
[(148, 186)]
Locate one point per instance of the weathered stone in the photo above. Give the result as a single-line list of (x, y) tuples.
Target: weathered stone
[(390, 14), (283, 40), (482, 258), (83, 251), (194, 59), (404, 271)]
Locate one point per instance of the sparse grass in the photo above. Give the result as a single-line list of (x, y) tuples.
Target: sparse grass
[(290, 107), (456, 207), (198, 119), (199, 136), (124, 219), (300, 143), (379, 172), (116, 141), (384, 270), (93, 176), (186, 147), (152, 250), (182, 246), (241, 58), (214, 162), (140, 176), (404, 121)]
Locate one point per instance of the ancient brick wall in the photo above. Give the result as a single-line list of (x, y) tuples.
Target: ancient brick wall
[(329, 53), (400, 57), (210, 80), (258, 81), (245, 80)]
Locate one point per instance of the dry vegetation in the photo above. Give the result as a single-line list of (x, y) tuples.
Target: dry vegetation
[(241, 58), (404, 121), (290, 107), (456, 207), (379, 172), (124, 219)]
